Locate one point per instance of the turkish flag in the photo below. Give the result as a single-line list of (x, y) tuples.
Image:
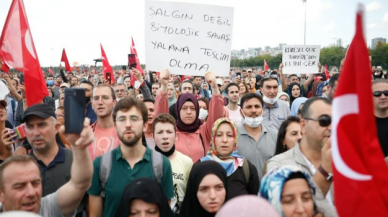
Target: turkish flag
[(360, 172), (64, 59), (106, 66), (327, 72), (50, 71), (266, 68), (17, 50), (138, 66)]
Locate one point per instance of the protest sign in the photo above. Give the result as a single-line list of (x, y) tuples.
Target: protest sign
[(301, 59), (188, 39)]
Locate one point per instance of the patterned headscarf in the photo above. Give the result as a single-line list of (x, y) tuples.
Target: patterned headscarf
[(231, 162), (271, 186)]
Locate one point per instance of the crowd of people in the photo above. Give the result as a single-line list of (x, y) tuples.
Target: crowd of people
[(254, 142)]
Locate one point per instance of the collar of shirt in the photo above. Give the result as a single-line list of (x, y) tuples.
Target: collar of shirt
[(244, 131), (147, 154), (276, 105), (59, 158)]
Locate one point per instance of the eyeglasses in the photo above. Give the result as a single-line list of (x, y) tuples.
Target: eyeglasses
[(103, 97), (133, 119), (324, 120), (120, 90), (270, 76), (379, 93)]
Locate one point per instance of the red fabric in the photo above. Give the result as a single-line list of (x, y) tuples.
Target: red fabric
[(4, 67), (106, 66), (64, 59), (360, 172), (17, 50), (327, 72), (138, 66), (266, 68), (50, 71)]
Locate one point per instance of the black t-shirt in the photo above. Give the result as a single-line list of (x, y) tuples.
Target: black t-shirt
[(382, 131)]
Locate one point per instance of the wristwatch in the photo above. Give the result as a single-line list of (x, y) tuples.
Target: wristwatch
[(328, 176)]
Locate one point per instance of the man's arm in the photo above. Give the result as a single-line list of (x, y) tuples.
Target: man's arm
[(71, 194), (95, 206), (11, 88), (311, 78), (282, 77), (319, 179), (143, 86)]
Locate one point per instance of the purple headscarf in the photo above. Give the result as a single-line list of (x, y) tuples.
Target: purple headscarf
[(191, 128)]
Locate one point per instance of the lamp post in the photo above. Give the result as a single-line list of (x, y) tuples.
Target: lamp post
[(305, 9)]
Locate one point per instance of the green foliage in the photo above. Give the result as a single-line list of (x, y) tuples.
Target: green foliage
[(380, 55)]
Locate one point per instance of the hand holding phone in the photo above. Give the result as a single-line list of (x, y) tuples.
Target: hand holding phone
[(74, 110), (132, 61)]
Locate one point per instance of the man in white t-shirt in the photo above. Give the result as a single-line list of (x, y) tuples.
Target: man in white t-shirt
[(164, 131), (232, 93)]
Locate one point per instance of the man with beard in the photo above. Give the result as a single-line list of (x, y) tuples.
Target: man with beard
[(313, 153), (232, 93), (74, 81), (88, 86), (105, 136), (131, 160), (121, 91)]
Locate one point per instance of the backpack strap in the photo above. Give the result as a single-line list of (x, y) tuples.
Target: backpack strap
[(105, 168), (246, 170), (157, 165), (203, 145)]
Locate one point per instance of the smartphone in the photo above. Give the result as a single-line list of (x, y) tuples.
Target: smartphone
[(20, 131), (108, 77), (238, 74), (21, 79), (74, 110), (124, 67), (132, 61)]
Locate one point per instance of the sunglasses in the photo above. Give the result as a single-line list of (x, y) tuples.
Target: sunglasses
[(271, 76), (379, 93), (324, 120)]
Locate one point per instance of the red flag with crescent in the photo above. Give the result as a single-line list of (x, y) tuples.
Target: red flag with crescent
[(266, 68), (17, 50), (360, 172), (106, 66)]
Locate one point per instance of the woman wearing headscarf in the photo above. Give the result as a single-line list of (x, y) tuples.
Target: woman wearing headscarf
[(295, 91), (285, 97), (207, 190), (242, 174), (205, 93), (290, 191), (193, 136), (171, 94), (295, 106), (247, 206), (144, 196)]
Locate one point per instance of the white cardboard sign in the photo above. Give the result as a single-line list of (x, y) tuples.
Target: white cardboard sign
[(188, 39), (301, 59)]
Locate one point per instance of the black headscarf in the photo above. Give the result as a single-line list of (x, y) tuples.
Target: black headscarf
[(187, 128), (290, 88), (145, 189), (191, 206)]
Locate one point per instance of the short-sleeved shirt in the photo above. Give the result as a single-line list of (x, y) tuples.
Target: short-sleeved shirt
[(121, 174), (274, 117), (235, 116), (57, 173), (257, 152), (181, 167), (48, 206)]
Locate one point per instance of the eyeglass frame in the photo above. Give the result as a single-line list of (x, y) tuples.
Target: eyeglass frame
[(131, 119), (320, 120), (385, 92)]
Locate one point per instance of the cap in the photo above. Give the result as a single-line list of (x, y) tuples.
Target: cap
[(219, 81), (41, 110), (65, 85), (249, 70), (4, 103)]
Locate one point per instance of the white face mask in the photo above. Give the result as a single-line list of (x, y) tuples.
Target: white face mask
[(288, 103), (270, 100), (252, 122), (203, 114)]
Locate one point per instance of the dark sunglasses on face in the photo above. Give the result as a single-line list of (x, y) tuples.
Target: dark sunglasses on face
[(379, 93), (324, 120), (270, 76)]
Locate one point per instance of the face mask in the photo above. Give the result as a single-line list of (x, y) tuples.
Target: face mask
[(252, 122), (203, 114), (270, 100), (288, 103)]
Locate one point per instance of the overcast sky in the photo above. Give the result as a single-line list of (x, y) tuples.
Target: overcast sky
[(80, 26)]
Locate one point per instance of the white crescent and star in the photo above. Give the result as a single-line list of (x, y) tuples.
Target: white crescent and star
[(342, 106)]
